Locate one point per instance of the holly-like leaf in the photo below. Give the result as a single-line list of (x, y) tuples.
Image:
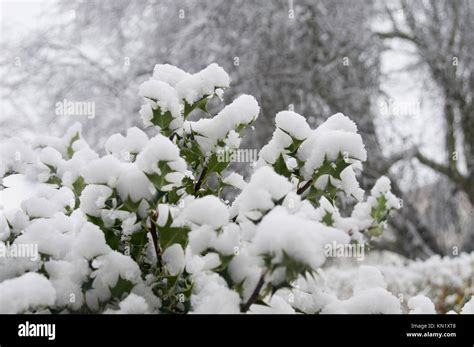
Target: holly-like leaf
[(162, 119), (137, 241), (111, 238), (158, 180), (294, 268), (328, 220), (191, 152), (281, 168), (379, 212), (376, 231), (129, 205), (170, 235), (295, 143), (122, 287), (201, 104), (70, 150), (78, 186), (215, 164)]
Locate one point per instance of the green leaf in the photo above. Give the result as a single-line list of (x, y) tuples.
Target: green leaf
[(215, 164), (158, 180), (376, 230), (314, 195), (54, 180), (188, 290), (96, 220), (200, 104), (171, 235), (173, 196), (162, 119), (191, 152), (328, 220), (112, 239), (379, 212), (281, 168), (295, 143), (333, 169), (70, 150), (137, 241), (294, 268), (122, 287), (225, 260), (78, 186), (129, 205), (52, 169), (172, 280)]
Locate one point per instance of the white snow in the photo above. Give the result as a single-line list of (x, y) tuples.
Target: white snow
[(242, 110), (227, 241), (163, 214), (166, 97), (18, 189), (235, 180), (380, 187), (132, 183), (160, 148), (272, 150), (124, 147), (338, 121), (212, 296), (24, 293), (15, 156), (104, 170), (173, 258), (108, 269), (370, 296), (194, 87), (350, 185), (169, 74), (276, 305), (146, 114), (88, 243), (67, 278), (259, 195), (369, 277), (468, 307), (420, 304), (132, 304), (208, 210), (201, 238), (369, 301), (93, 199), (293, 123), (301, 239), (51, 156), (48, 201), (336, 136)]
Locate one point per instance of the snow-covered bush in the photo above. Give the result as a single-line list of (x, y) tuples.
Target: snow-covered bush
[(447, 281), (144, 228)]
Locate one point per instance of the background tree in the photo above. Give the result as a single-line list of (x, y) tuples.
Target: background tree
[(442, 35)]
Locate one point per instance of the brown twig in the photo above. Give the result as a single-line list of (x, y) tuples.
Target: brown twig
[(302, 189), (154, 236), (255, 293), (200, 179)]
